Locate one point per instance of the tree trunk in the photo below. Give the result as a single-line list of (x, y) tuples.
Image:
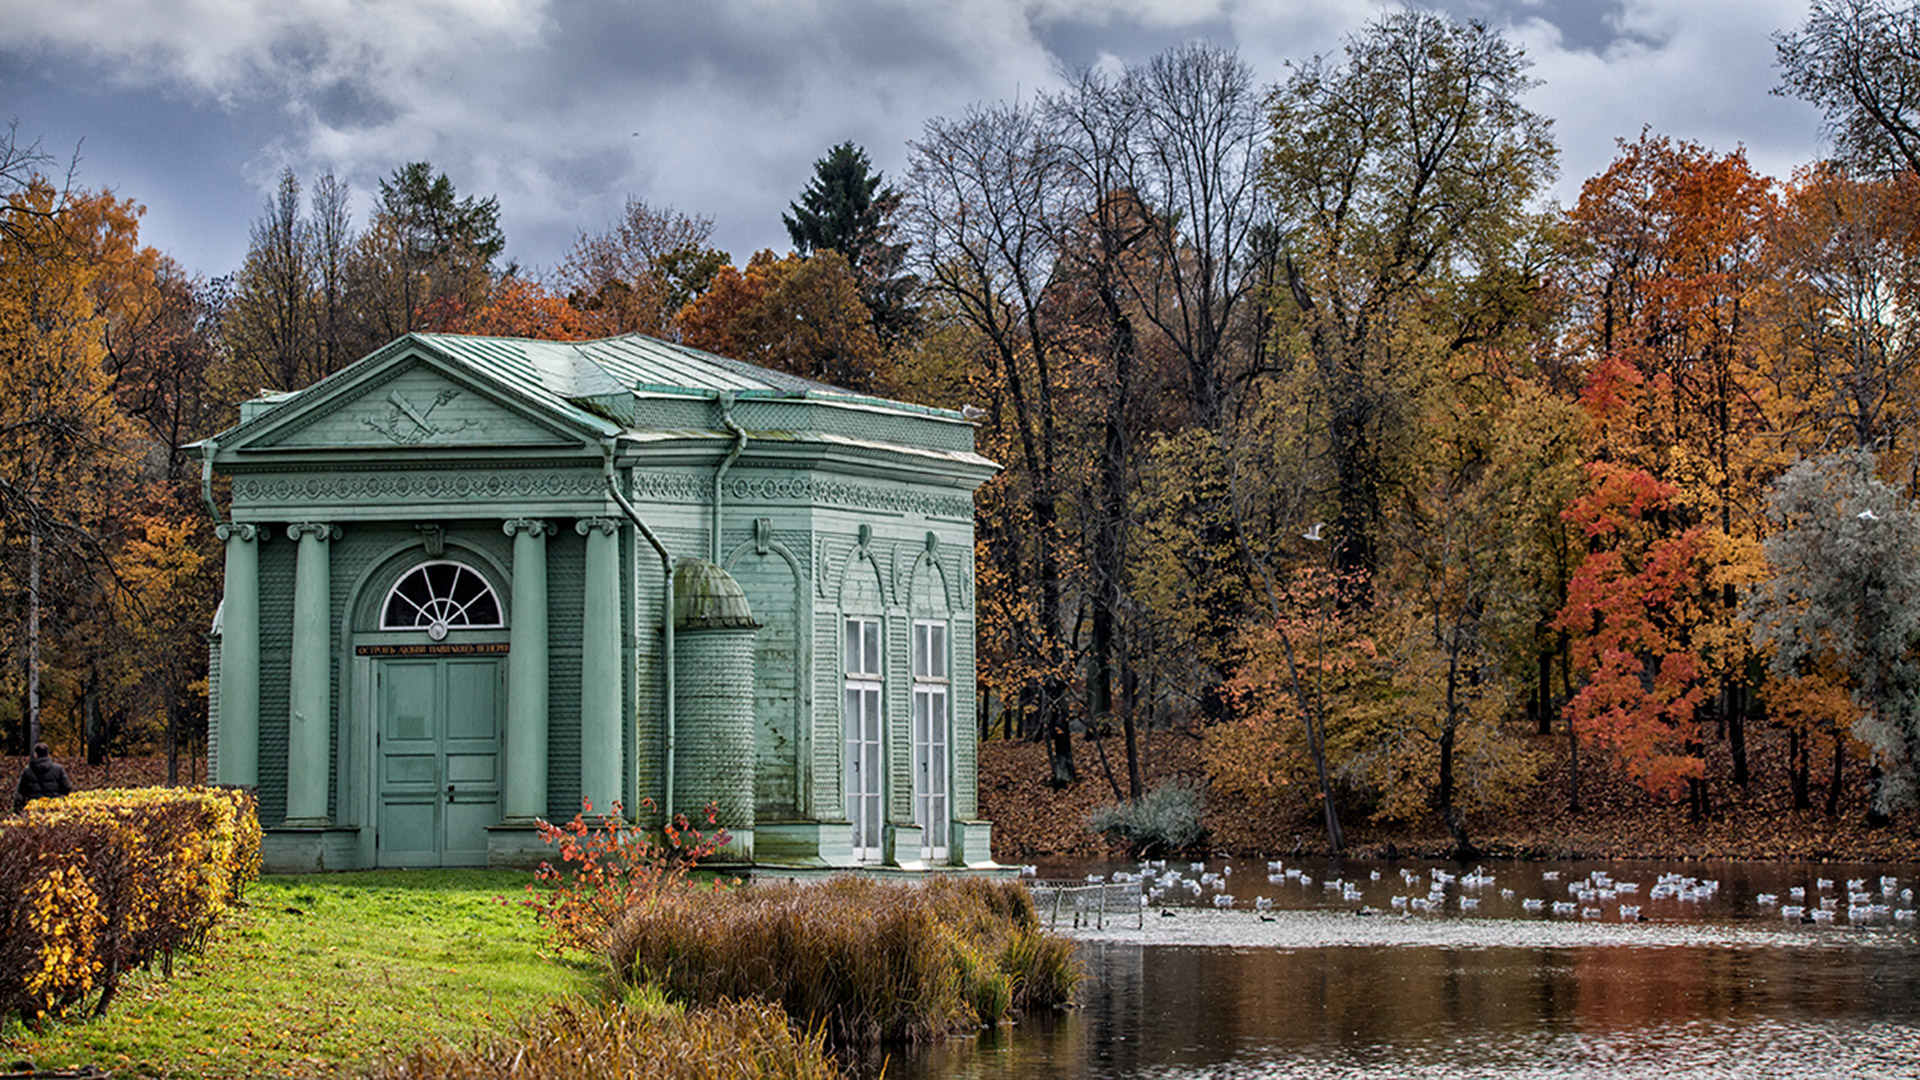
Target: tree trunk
[(1839, 770), (1734, 708), (1573, 767), (33, 638), (1060, 751), (1797, 769), (1544, 693), (173, 736), (1443, 798), (1129, 686)]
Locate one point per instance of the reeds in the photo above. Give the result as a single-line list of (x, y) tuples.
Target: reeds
[(863, 961), (578, 1041)]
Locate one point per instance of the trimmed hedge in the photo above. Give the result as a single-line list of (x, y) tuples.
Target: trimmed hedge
[(99, 882)]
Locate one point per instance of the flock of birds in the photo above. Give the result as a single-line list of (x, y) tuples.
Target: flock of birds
[(1598, 895)]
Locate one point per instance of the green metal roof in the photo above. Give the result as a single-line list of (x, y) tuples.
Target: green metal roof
[(580, 371), (618, 387)]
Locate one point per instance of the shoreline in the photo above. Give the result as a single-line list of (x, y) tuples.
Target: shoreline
[(1203, 928)]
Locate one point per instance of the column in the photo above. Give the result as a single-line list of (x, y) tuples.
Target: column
[(602, 753), (240, 657), (309, 686), (526, 795)]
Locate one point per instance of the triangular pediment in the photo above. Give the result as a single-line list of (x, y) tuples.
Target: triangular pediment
[(409, 403)]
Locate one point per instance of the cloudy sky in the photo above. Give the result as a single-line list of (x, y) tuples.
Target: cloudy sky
[(564, 108)]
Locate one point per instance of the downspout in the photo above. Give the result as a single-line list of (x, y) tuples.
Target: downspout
[(207, 450), (666, 608), (725, 399)]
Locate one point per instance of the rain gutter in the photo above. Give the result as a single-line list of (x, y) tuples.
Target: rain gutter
[(666, 608), (724, 398)]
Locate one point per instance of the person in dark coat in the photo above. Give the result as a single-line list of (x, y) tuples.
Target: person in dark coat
[(43, 777)]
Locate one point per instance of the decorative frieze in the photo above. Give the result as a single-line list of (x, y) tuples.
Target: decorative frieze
[(418, 486), (803, 488)]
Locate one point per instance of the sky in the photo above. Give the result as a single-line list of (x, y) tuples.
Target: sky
[(565, 109)]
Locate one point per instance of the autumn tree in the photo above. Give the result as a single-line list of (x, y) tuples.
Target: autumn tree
[(70, 266), (517, 307), (1401, 173), (796, 314), (292, 317), (1844, 602), (1677, 390), (637, 275), (1631, 609), (1841, 255), (272, 322)]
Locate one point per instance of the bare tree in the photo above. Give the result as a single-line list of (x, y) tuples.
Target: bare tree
[(1858, 61), (983, 212)]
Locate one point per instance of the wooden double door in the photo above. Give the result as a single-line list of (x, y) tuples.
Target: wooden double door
[(438, 758)]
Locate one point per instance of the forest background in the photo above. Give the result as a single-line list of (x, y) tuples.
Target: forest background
[(1327, 438)]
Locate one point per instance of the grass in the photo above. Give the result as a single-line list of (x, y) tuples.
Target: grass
[(866, 962), (325, 976)]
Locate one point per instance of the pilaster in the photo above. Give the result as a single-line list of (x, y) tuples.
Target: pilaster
[(240, 657), (602, 749), (309, 682), (526, 772)]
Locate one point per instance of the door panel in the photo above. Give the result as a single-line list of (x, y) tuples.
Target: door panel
[(439, 764)]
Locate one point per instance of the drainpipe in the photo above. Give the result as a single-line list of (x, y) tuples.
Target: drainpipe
[(207, 450), (725, 400), (666, 607)]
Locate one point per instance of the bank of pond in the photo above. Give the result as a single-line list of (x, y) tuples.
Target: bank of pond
[(1311, 968)]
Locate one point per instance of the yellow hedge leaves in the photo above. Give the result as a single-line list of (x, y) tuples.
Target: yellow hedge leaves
[(102, 881)]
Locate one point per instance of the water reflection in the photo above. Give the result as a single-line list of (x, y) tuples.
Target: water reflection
[(1836, 894), (1154, 1011), (1822, 1001)]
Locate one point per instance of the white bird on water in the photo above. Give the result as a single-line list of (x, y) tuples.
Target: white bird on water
[(1867, 515)]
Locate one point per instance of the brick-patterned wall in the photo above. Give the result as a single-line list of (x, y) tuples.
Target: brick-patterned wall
[(713, 683)]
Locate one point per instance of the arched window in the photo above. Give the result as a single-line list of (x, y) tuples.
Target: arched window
[(438, 596)]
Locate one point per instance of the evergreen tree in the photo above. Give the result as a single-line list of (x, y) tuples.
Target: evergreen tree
[(846, 208)]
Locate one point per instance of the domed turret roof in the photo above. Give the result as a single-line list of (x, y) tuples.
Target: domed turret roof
[(705, 597)]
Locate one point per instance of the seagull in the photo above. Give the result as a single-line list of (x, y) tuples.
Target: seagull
[(1313, 534), (1867, 515), (972, 412)]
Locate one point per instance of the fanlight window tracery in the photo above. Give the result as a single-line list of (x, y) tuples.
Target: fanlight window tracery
[(438, 596)]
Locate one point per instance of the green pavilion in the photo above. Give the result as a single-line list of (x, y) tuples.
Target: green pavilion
[(475, 582)]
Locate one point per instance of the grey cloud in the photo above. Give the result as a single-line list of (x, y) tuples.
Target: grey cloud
[(539, 102)]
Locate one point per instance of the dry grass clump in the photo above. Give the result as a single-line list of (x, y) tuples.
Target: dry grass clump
[(579, 1041), (864, 961)]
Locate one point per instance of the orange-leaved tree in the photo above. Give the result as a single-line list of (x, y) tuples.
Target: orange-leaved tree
[(1678, 387), (1632, 607)]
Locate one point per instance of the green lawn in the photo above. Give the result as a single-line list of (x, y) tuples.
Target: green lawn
[(321, 975)]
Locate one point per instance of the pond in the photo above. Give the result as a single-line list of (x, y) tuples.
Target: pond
[(1700, 975)]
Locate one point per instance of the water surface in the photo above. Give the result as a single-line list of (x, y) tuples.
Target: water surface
[(1719, 984)]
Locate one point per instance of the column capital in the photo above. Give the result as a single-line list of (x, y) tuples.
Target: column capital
[(319, 530), (609, 526), (531, 526), (237, 531)]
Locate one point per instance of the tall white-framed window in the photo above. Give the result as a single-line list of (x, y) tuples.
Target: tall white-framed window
[(931, 804), (862, 769)]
